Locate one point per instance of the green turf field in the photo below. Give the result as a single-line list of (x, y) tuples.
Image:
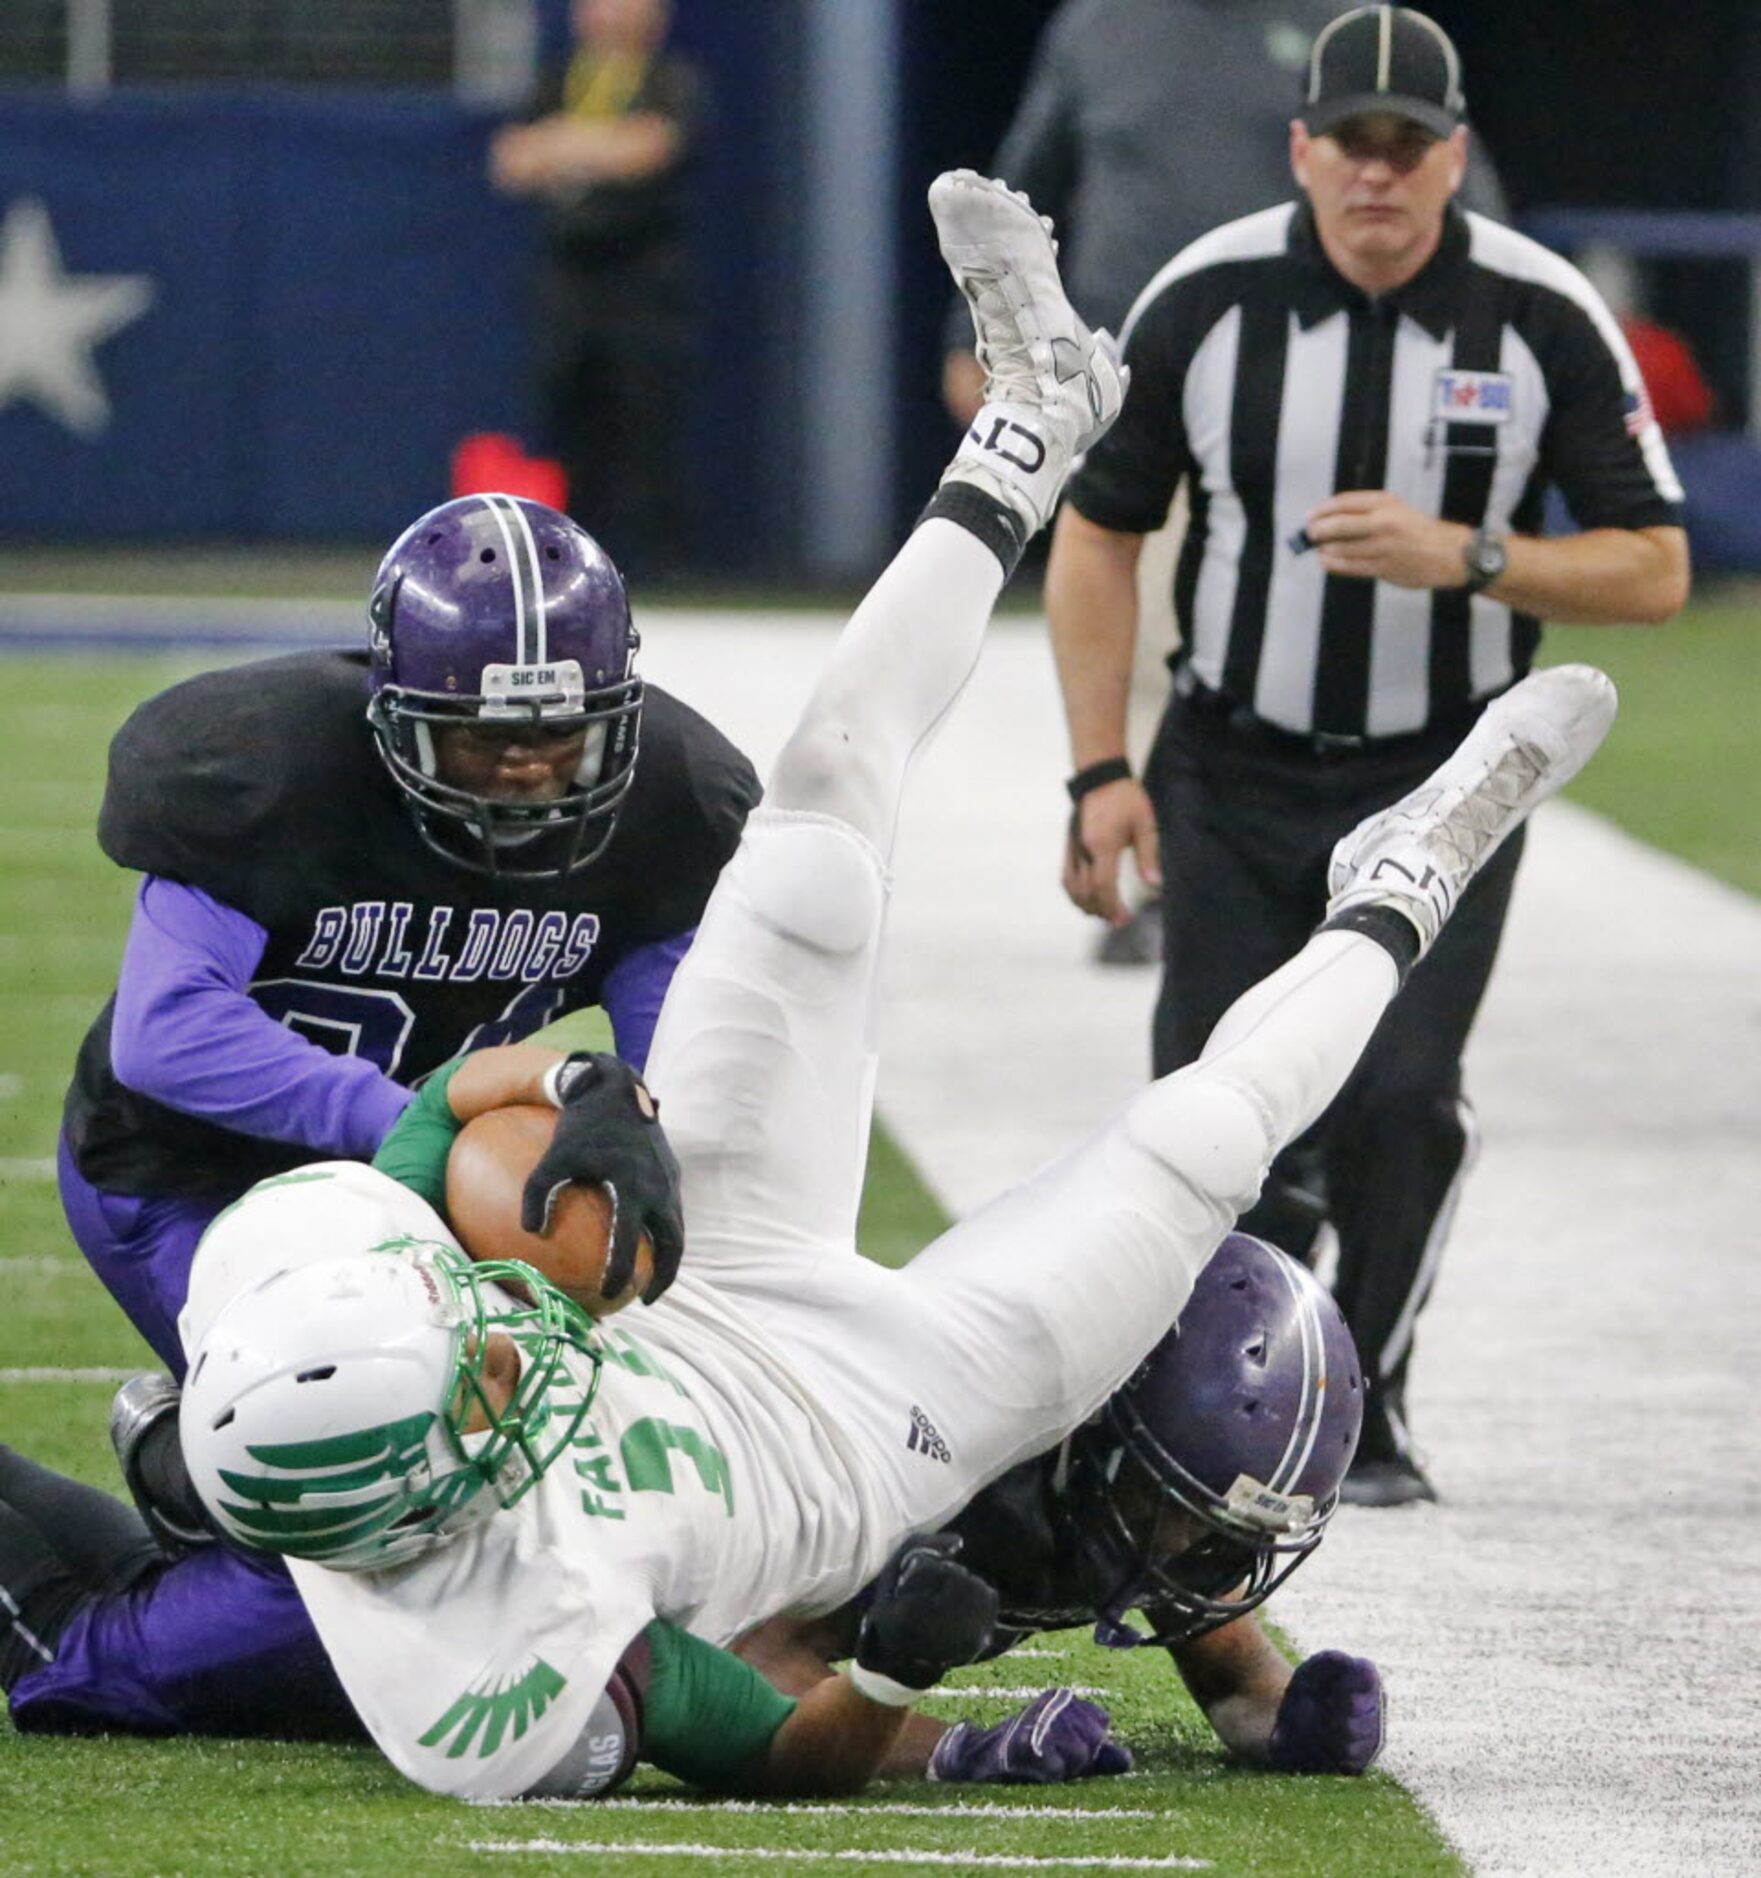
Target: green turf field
[(1682, 770)]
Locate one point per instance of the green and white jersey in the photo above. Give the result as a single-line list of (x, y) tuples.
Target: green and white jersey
[(702, 1488)]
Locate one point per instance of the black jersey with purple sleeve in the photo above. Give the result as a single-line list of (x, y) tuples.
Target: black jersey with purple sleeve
[(281, 859)]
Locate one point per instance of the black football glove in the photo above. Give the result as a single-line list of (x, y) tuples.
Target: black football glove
[(928, 1614), (606, 1138)]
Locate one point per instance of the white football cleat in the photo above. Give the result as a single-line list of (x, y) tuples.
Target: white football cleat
[(1051, 386), (1418, 856)]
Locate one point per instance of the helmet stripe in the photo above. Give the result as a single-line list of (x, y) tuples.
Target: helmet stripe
[(531, 640), (535, 586), (1306, 1426)]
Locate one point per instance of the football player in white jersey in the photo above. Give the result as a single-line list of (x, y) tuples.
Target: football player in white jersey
[(488, 1502)]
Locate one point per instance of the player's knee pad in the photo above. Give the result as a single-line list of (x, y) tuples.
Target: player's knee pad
[(1212, 1133), (813, 879)]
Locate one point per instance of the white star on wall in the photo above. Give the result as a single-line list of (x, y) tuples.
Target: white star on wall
[(51, 322)]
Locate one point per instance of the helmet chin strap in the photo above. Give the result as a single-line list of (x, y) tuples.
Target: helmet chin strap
[(592, 757)]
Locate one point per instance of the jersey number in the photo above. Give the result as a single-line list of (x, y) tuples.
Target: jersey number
[(647, 1450), (347, 1020), (350, 1020)]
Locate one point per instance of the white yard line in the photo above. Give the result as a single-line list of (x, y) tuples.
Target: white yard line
[(850, 1855), (27, 1168), (47, 1374)]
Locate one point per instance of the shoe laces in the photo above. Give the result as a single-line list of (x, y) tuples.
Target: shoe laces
[(1004, 349), (1483, 813)]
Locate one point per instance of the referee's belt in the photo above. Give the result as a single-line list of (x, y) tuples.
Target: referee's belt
[(1240, 721)]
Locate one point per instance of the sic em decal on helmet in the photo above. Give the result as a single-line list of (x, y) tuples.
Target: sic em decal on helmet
[(496, 612), (329, 1411), (1212, 1473)]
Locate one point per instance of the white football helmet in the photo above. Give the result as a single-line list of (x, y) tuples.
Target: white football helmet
[(325, 1408)]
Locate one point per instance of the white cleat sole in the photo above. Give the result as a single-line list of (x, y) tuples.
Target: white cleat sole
[(1052, 386)]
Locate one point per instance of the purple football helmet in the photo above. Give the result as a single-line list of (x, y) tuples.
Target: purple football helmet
[(1212, 1473), (496, 611)]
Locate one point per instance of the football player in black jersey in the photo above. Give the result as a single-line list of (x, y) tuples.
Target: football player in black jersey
[(356, 866), (1202, 1484)]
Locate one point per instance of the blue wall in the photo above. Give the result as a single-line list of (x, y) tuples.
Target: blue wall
[(336, 297)]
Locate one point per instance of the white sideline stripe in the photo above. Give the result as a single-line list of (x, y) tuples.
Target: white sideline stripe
[(10, 1085), (67, 1375), (42, 1264), (851, 1855), (889, 1809), (31, 1168), (1609, 1055)]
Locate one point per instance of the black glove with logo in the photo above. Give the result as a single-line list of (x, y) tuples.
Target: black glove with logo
[(609, 1135), (928, 1614)]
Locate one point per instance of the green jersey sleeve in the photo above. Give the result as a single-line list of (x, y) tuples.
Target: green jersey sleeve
[(415, 1151), (707, 1716)]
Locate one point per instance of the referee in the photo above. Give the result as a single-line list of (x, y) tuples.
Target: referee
[(1366, 393)]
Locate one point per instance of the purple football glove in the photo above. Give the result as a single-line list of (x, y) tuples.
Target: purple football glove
[(1331, 1718), (1058, 1736)]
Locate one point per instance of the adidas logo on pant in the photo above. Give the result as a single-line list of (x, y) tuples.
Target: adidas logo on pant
[(924, 1440)]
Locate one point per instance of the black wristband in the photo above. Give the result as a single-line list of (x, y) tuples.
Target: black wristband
[(1110, 769)]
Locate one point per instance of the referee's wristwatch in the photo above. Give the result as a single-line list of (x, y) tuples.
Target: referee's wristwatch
[(1485, 557)]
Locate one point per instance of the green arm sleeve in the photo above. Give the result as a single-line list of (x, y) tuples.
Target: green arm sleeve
[(415, 1151), (707, 1717)]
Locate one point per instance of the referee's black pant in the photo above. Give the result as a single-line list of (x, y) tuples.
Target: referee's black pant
[(1248, 817)]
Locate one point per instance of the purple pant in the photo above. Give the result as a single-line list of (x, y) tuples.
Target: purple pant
[(213, 1644), (141, 1247), (217, 1643)]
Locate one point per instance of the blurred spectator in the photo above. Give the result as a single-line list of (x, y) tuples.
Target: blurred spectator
[(607, 161), (1147, 123)]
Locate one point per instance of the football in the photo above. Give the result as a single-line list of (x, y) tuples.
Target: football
[(627, 1694), (485, 1175)]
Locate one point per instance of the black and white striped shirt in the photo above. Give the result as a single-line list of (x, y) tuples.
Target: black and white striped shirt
[(1266, 380)]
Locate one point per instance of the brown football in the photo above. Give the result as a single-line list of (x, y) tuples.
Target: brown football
[(485, 1174)]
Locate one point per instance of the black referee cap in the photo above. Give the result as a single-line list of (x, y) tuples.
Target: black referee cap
[(1384, 58)]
